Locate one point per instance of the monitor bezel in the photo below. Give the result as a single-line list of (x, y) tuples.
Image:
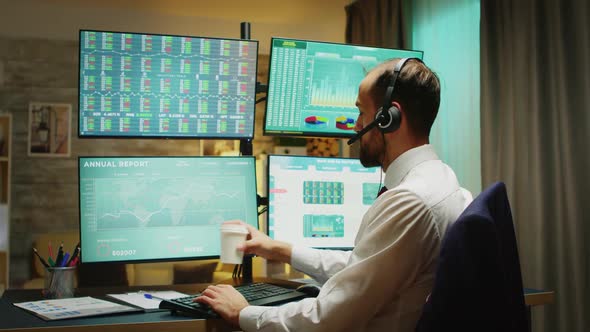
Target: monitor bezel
[(158, 260), (80, 136), (267, 219), (343, 135)]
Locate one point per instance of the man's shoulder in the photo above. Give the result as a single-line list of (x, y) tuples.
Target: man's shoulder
[(400, 196), (432, 182)]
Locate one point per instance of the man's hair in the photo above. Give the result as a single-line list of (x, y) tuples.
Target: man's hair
[(417, 90)]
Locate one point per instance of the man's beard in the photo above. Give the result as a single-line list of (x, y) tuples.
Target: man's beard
[(368, 155)]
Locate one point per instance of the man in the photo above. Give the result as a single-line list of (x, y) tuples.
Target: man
[(383, 283)]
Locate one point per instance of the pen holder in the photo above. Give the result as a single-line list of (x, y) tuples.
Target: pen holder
[(60, 282)]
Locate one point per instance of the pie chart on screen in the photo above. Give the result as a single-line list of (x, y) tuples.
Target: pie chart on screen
[(344, 123), (315, 121)]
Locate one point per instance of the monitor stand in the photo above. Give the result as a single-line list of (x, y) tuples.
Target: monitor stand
[(246, 150), (247, 276)]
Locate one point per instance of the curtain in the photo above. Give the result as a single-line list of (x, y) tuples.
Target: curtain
[(383, 23), (448, 33), (535, 83)]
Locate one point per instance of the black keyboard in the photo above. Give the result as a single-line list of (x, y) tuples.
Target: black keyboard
[(256, 294)]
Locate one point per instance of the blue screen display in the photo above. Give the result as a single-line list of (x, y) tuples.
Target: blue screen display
[(146, 85), (161, 208), (318, 202)]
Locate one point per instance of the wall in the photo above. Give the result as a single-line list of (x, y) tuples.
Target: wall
[(39, 62), (448, 33), (61, 19)]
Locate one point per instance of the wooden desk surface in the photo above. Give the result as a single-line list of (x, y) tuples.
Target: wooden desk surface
[(13, 319), (534, 297)]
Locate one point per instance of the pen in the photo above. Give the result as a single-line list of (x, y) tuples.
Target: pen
[(50, 250), (65, 259), (152, 297), (74, 255), (40, 258), (51, 262), (60, 255), (74, 261)]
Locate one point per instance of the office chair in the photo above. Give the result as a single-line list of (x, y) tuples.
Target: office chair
[(478, 283)]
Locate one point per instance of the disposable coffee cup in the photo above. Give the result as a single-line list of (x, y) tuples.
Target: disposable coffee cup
[(231, 237), (60, 282)]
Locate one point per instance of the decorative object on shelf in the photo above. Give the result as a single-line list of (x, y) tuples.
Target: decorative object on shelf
[(49, 129), (220, 147), (323, 147)]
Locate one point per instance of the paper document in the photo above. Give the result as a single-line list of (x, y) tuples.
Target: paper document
[(73, 308), (140, 300)]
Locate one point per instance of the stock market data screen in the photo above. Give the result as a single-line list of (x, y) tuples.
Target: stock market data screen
[(312, 86), (146, 85)]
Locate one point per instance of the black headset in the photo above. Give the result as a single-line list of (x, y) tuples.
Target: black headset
[(390, 120)]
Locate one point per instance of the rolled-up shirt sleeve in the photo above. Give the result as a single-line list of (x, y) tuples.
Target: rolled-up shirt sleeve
[(387, 260)]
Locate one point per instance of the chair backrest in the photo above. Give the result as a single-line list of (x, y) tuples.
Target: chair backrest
[(478, 283)]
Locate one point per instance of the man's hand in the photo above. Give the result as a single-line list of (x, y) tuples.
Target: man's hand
[(225, 300), (261, 245)]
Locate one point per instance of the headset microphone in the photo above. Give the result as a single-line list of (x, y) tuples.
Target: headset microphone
[(365, 130)]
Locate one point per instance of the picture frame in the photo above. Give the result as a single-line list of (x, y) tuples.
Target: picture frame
[(49, 129)]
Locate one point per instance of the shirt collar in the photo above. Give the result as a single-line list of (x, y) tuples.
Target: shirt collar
[(402, 165)]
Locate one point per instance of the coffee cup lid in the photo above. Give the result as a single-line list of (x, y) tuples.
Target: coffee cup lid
[(234, 229)]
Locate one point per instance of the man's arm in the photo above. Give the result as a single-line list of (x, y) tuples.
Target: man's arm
[(261, 245), (321, 265), (385, 266), (386, 263)]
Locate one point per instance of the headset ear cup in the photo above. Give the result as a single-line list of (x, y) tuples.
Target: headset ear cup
[(391, 121), (383, 119), (377, 115), (396, 118)]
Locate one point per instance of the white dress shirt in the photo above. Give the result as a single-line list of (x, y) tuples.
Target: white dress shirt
[(382, 284)]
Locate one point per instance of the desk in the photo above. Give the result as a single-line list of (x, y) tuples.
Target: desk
[(534, 297), (537, 297), (15, 319)]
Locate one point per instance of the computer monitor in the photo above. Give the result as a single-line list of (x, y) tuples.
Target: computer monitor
[(161, 208), (312, 86), (318, 202), (138, 85)]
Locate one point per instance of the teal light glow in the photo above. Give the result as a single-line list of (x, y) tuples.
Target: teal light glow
[(448, 33)]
